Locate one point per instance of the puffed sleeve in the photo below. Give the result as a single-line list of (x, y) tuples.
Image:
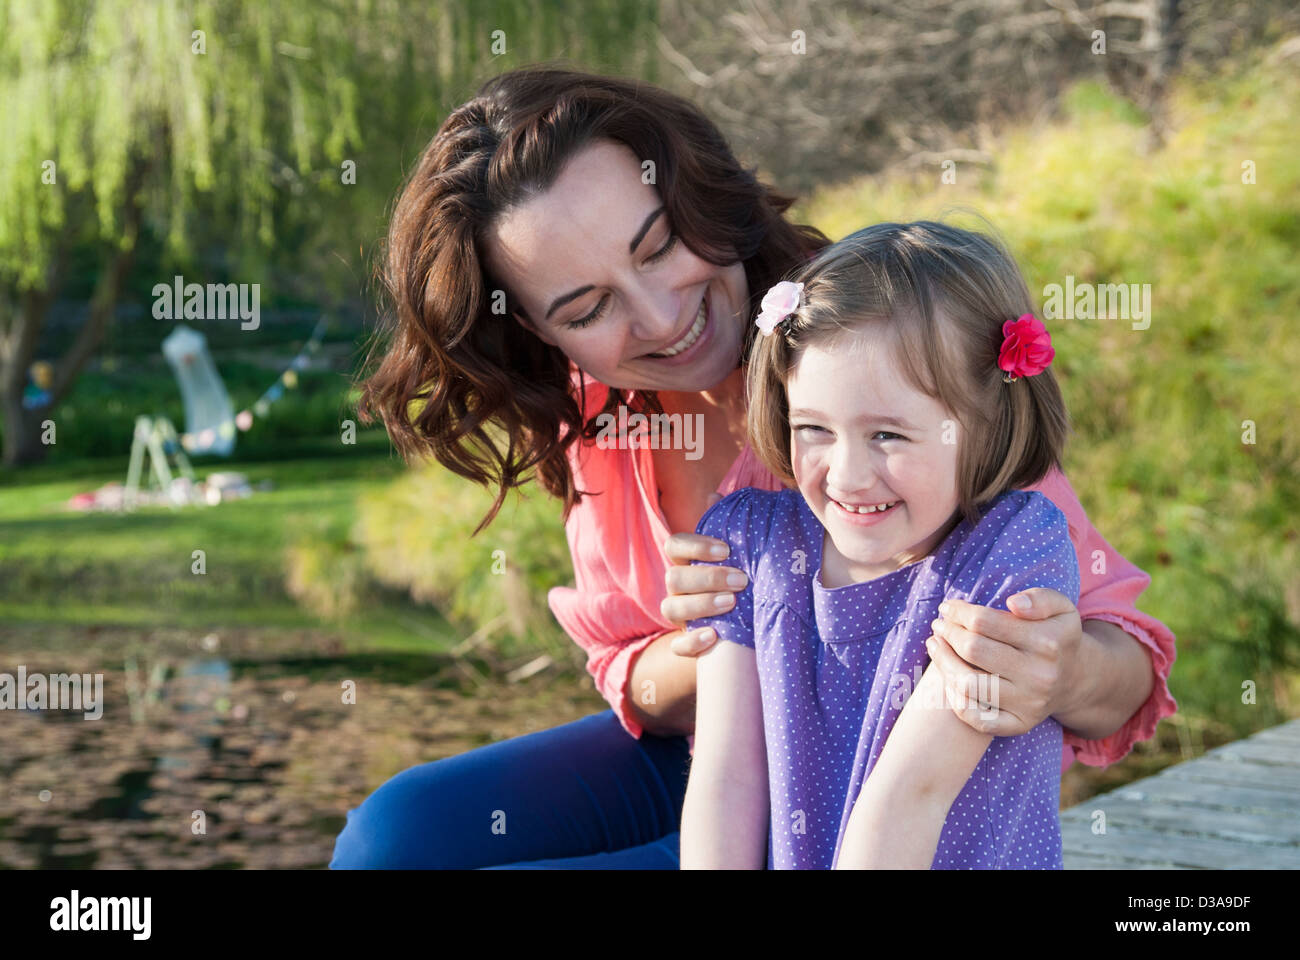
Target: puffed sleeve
[(731, 520), (1022, 541), (1109, 588)]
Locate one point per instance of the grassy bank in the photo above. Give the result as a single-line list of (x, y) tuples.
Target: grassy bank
[(137, 569)]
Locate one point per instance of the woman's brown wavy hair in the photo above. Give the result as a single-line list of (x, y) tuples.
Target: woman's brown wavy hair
[(459, 381)]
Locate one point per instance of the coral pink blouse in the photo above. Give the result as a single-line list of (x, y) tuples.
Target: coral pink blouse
[(616, 540)]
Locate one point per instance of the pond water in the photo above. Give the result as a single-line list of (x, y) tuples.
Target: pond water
[(232, 751)]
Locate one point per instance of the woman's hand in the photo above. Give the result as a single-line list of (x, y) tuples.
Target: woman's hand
[(694, 591), (1033, 651)]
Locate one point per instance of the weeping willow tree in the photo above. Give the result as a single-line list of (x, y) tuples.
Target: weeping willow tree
[(121, 117)]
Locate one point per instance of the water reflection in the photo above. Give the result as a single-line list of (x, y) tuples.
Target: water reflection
[(263, 750)]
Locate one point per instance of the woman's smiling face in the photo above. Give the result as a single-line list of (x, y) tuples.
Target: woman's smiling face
[(860, 434), (599, 273)]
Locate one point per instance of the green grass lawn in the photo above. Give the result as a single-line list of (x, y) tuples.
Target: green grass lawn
[(68, 567)]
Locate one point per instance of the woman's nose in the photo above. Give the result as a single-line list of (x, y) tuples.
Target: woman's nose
[(656, 310)]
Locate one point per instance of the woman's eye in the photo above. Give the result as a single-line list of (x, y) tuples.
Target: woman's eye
[(809, 426), (591, 317), (667, 249), (600, 307), (887, 435)]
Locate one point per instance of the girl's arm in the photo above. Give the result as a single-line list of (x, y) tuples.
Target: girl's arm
[(725, 814), (899, 813)]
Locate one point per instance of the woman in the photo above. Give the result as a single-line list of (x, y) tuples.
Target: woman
[(570, 244)]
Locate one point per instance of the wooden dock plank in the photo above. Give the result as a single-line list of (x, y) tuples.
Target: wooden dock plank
[(1256, 777), (1077, 860), (1264, 752), (1287, 733), (1235, 808), (1177, 849), (1215, 797), (1159, 817)]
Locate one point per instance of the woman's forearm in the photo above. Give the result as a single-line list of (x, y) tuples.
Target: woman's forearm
[(1114, 677), (660, 689)]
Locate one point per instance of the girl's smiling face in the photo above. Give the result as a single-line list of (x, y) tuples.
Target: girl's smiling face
[(861, 435), (600, 273)]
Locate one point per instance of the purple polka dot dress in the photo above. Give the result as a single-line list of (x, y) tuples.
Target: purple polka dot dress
[(835, 667)]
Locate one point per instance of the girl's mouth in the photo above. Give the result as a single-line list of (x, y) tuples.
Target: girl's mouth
[(864, 516)]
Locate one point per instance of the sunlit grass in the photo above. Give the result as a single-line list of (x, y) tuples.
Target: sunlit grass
[(136, 569)]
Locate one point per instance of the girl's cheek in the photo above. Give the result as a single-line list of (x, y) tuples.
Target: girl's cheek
[(933, 467), (903, 472), (806, 462)]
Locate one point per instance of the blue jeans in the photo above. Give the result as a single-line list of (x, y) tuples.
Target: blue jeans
[(584, 795)]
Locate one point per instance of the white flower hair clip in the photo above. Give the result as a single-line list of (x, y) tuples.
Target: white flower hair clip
[(781, 301)]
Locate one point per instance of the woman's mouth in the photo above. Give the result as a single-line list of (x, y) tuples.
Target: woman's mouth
[(685, 347)]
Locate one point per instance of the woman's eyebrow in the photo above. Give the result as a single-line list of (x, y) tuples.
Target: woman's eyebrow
[(571, 295), (645, 227), (631, 248)]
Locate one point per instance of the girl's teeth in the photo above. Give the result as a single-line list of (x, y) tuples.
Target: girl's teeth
[(691, 335), (878, 509)]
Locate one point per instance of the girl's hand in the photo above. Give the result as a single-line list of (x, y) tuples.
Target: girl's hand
[(1033, 651), (692, 589)]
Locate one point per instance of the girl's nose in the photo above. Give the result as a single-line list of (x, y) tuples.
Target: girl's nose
[(849, 470)]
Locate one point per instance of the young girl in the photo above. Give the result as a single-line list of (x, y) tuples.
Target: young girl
[(902, 385)]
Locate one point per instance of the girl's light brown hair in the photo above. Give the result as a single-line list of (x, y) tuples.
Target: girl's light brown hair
[(475, 389), (943, 294)]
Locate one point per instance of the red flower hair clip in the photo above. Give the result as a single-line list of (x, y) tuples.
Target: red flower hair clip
[(1026, 348)]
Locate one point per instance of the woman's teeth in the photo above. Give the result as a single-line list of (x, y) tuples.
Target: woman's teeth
[(879, 508), (692, 334)]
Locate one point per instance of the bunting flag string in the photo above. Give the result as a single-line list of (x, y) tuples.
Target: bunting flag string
[(287, 380)]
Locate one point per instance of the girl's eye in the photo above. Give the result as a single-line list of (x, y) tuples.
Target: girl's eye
[(884, 434), (591, 317), (667, 249)]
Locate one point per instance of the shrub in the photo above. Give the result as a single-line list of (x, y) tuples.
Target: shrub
[(415, 535)]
